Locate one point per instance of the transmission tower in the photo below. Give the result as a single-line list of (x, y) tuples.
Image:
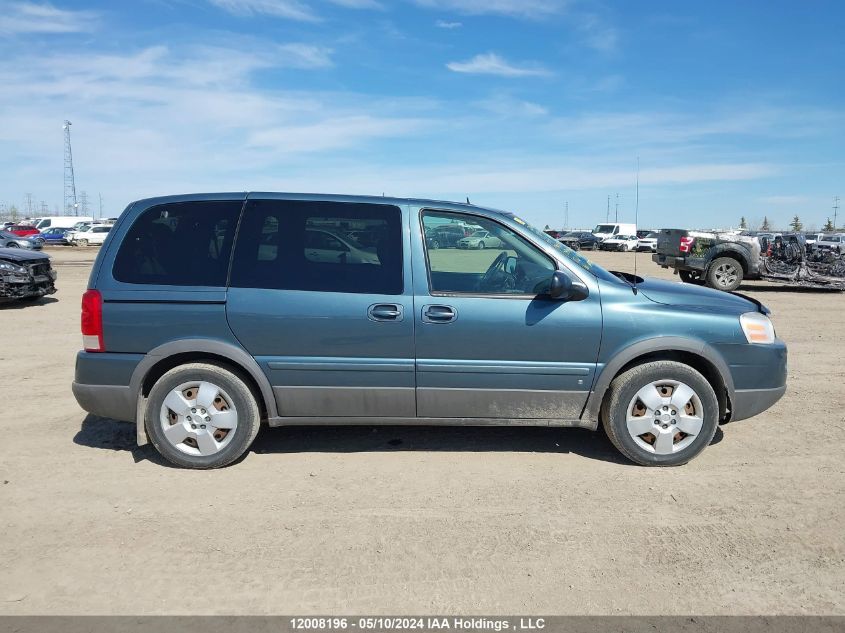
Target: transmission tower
[(835, 210), (83, 203), (71, 205)]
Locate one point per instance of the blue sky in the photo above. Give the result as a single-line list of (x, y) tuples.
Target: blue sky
[(734, 108)]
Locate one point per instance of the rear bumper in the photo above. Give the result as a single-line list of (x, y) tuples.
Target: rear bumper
[(102, 384), (669, 261), (107, 401), (747, 403)]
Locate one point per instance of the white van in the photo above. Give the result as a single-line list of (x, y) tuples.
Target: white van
[(61, 221), (604, 231)]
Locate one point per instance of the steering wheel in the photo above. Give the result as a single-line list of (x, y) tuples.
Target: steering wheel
[(497, 278)]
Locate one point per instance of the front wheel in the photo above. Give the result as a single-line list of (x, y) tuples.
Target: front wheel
[(201, 415), (662, 413), (725, 274), (83, 242), (13, 245), (480, 245), (595, 246)]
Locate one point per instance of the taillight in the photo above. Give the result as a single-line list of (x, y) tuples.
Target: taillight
[(686, 244), (92, 321)]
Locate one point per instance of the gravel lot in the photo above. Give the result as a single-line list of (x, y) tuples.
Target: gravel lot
[(419, 520)]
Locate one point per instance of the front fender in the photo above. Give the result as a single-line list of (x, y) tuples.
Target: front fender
[(643, 348)]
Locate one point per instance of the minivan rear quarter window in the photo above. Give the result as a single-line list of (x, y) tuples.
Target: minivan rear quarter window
[(319, 246), (180, 244)]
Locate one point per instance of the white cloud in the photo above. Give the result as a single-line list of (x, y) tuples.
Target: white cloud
[(507, 106), (493, 64), (515, 8), (290, 9), (332, 133), (443, 24), (358, 4), (597, 34), (31, 17)]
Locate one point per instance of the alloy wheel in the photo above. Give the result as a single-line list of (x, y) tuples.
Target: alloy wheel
[(725, 275)]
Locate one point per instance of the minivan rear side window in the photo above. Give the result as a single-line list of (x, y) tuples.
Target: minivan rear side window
[(320, 246), (179, 244)]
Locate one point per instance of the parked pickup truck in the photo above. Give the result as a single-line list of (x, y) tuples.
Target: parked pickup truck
[(721, 261)]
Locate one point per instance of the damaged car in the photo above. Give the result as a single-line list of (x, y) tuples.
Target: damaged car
[(25, 275), (787, 260)]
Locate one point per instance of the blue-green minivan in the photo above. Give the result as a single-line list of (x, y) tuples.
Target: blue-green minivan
[(209, 315)]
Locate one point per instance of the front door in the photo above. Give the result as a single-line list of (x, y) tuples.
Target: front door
[(318, 295), (489, 344)]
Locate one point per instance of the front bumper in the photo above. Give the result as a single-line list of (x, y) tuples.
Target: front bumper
[(747, 403), (759, 374), (14, 285)]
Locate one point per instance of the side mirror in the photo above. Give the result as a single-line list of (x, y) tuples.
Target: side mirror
[(563, 288)]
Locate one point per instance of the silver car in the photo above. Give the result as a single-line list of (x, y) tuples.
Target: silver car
[(10, 240), (480, 239)]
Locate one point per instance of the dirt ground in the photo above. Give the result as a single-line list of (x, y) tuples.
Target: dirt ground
[(419, 520)]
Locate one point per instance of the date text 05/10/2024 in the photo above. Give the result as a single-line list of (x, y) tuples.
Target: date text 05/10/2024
[(406, 623)]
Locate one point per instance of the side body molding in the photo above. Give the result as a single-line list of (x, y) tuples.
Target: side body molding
[(236, 354), (624, 356)]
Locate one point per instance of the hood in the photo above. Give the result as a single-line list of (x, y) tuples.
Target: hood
[(682, 294), (18, 255)]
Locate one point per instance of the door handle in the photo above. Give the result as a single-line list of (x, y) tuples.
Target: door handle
[(385, 312), (439, 314)]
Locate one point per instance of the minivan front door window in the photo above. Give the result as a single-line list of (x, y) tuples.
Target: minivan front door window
[(493, 260)]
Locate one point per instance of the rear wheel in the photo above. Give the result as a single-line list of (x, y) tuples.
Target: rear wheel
[(662, 413), (689, 277), (201, 415), (725, 273)]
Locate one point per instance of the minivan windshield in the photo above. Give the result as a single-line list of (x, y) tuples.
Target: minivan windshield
[(576, 258)]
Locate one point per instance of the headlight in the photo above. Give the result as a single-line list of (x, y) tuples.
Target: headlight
[(758, 328), (13, 268)]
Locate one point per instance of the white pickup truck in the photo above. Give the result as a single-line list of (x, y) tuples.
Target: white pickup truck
[(835, 242)]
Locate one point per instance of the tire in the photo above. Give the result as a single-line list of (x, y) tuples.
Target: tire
[(622, 403), (576, 246), (435, 245), (595, 246), (689, 277), (480, 245), (228, 392), (13, 245), (724, 273), (83, 242)]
